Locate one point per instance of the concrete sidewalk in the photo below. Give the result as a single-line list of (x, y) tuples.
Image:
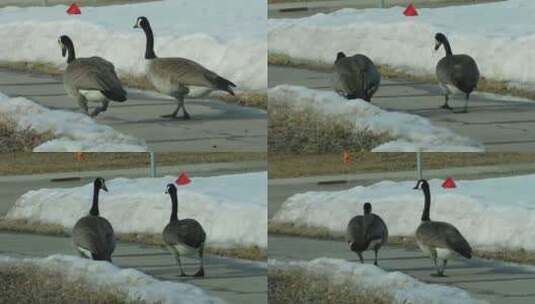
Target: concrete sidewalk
[(236, 281)]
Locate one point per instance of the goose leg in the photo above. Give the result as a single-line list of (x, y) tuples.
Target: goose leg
[(82, 103), (177, 258), (360, 257), (444, 263), (103, 108), (200, 273), (446, 105), (437, 267), (466, 103), (376, 250)]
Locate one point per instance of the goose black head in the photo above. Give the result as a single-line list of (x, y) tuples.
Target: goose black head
[(64, 42), (339, 56), (171, 188), (367, 208), (142, 22), (421, 184), (100, 184), (439, 40)]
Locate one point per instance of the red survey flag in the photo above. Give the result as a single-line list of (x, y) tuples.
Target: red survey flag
[(410, 11), (182, 180), (74, 9), (449, 183)]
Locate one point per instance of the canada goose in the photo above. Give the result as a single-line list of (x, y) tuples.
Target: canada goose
[(365, 232), (93, 235), (90, 79), (183, 237), (455, 72), (356, 77), (439, 239), (172, 76)]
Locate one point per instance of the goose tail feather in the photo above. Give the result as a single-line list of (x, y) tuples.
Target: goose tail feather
[(224, 85)]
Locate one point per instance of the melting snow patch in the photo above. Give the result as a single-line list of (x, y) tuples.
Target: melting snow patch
[(72, 131), (475, 207), (231, 208), (231, 42), (388, 37), (135, 284), (411, 132), (401, 287)]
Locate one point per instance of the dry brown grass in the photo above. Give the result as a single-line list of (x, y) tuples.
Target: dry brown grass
[(37, 163), (521, 256), (300, 286), (256, 100), (14, 139), (307, 131), (388, 72), (253, 253), (285, 165), (28, 284)]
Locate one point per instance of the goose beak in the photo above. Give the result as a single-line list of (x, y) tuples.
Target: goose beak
[(63, 51), (136, 25), (104, 187), (437, 45), (415, 187)]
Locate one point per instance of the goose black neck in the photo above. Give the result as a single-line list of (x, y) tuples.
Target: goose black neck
[(174, 211), (447, 47), (149, 49), (70, 52), (427, 206), (94, 207)]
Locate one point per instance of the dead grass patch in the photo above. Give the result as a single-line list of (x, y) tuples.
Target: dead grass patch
[(253, 253), (38, 163), (26, 283), (307, 131), (287, 165), (300, 286), (13, 139)]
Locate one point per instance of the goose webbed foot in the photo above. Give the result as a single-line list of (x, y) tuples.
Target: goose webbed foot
[(183, 274), (200, 273), (186, 116), (172, 116), (447, 107), (438, 275)]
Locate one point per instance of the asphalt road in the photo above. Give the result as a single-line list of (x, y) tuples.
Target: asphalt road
[(500, 123), (215, 125), (490, 280), (236, 281)]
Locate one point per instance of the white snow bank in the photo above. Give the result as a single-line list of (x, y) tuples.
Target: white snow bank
[(411, 132), (136, 285), (362, 277), (475, 207), (73, 131), (231, 40), (499, 36), (231, 208)]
